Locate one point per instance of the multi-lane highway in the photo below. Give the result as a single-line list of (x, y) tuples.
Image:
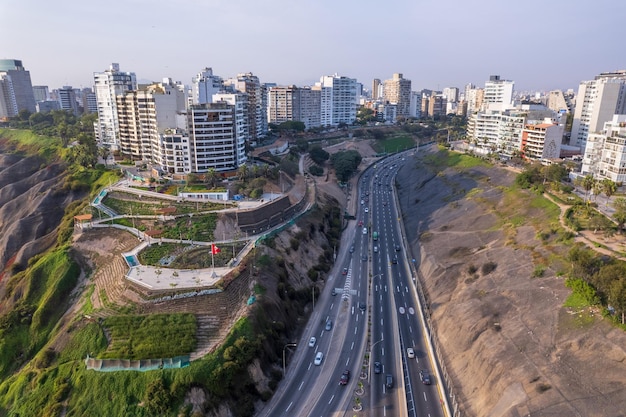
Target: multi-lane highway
[(370, 283)]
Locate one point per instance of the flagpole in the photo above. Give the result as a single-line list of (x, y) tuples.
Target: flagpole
[(212, 257)]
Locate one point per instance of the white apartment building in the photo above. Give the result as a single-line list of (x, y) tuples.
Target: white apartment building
[(204, 85), (339, 99), (173, 153), (556, 101), (397, 90), (542, 141), (605, 152), (596, 103), (498, 94), (216, 136), (107, 86)]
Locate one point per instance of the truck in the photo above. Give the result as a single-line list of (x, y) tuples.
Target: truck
[(375, 235)]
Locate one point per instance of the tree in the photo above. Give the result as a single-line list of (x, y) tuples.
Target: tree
[(608, 188), (345, 164), (619, 204), (318, 155), (587, 184), (211, 177), (617, 296), (242, 172), (157, 398)]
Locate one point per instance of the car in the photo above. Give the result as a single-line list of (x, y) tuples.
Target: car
[(312, 341), (345, 377), (364, 257), (367, 210), (318, 358), (425, 377), (398, 248), (344, 271), (333, 292), (360, 223), (365, 230), (384, 203), (375, 249), (362, 306), (329, 325), (389, 381), (378, 368), (367, 193), (410, 353), (352, 249), (394, 260)]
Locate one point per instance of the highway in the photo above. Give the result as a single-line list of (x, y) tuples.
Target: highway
[(390, 306)]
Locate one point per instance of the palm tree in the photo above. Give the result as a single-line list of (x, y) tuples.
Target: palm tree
[(608, 187), (211, 177), (587, 184), (242, 172)]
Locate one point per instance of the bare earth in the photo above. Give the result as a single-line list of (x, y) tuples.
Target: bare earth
[(510, 346)]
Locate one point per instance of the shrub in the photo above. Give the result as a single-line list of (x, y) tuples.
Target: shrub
[(472, 269), (488, 268)]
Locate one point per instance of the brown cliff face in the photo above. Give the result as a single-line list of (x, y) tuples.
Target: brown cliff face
[(32, 203)]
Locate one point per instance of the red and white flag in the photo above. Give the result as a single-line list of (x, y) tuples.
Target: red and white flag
[(214, 249)]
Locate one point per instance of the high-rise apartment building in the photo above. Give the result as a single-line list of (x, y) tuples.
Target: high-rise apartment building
[(605, 151), (451, 94), (257, 103), (66, 96), (89, 101), (16, 89), (283, 104), (145, 114), (300, 104), (338, 99), (556, 101), (204, 85), (137, 125), (213, 137), (397, 91), (377, 88), (596, 103), (498, 94), (107, 86), (41, 93)]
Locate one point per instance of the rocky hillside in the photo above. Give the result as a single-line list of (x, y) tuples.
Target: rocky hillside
[(492, 263), (33, 198)]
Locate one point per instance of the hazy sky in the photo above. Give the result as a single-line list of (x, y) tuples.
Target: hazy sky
[(540, 44)]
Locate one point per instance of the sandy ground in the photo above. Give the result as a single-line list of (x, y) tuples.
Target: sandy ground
[(510, 346)]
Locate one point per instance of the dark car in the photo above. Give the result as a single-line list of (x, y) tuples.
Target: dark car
[(378, 368), (389, 381), (425, 377), (362, 306), (394, 260), (345, 271), (351, 248), (398, 248), (364, 257), (345, 377)]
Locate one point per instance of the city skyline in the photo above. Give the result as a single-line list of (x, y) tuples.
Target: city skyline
[(540, 46)]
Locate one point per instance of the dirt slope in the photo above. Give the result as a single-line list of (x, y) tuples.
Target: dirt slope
[(510, 346)]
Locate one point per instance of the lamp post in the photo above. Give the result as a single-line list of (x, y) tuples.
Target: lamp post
[(284, 348), (369, 373)]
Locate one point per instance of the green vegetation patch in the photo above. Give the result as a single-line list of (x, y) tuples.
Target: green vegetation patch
[(29, 142), (150, 337), (199, 228), (395, 144)]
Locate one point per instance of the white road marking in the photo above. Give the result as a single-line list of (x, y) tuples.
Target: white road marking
[(301, 384), (289, 406), (425, 399), (331, 399)]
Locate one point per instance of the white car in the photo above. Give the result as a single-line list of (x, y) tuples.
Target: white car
[(367, 210), (312, 341), (318, 358), (410, 353)]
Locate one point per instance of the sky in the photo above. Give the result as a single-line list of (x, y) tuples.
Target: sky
[(540, 44)]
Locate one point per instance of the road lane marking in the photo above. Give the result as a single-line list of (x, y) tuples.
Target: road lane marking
[(301, 384), (331, 399), (425, 399), (289, 406), (356, 329)]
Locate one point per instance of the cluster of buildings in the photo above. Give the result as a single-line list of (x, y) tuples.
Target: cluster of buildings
[(210, 124)]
